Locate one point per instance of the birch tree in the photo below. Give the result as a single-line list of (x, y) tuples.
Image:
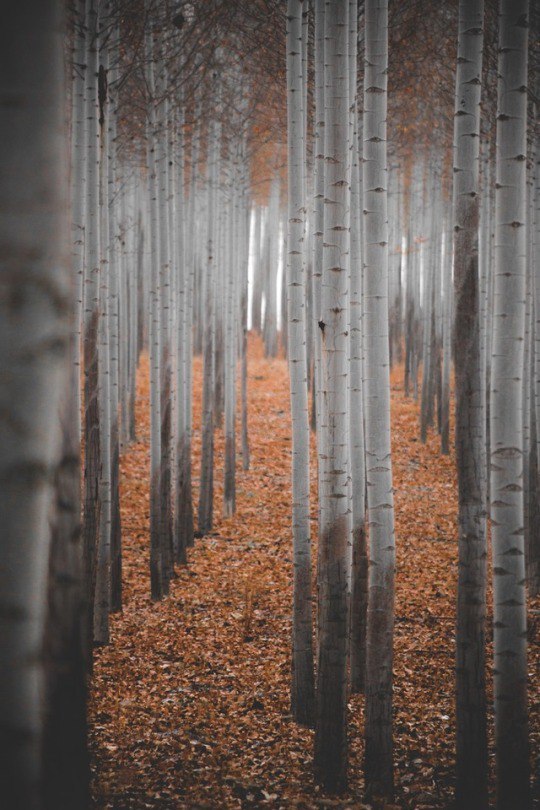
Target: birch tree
[(185, 496), (102, 602), (165, 337), (356, 407), (379, 654), (471, 734), (91, 316), (114, 317), (334, 527), (302, 689), (36, 306), (506, 394), (230, 350), (156, 562), (65, 750), (206, 497)]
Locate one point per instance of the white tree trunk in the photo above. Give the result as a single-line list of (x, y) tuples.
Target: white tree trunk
[(165, 337), (471, 742), (378, 723), (206, 496), (102, 602), (91, 317), (509, 595), (302, 688), (36, 305), (356, 406), (334, 562), (230, 331), (156, 564)]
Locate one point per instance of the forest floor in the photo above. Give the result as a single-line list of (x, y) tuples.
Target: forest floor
[(190, 702)]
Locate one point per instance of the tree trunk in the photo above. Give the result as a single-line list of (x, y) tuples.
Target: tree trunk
[(91, 318), (65, 751), (378, 728), (509, 596), (206, 497), (230, 351), (36, 308), (471, 739), (302, 687), (114, 310), (446, 341), (102, 604), (359, 594), (156, 565), (334, 529), (165, 337)]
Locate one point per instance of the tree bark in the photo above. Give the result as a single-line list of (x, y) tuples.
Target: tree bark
[(36, 308), (91, 317), (359, 592), (509, 596), (378, 723), (471, 735), (302, 686), (334, 562), (206, 497)]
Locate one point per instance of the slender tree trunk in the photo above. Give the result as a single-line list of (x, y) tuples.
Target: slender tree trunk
[(471, 739), (114, 311), (534, 544), (509, 595), (230, 353), (273, 244), (183, 505), (256, 301), (156, 565), (446, 343), (65, 752), (36, 308), (318, 212), (359, 592), (302, 688), (426, 402), (206, 497), (378, 723), (165, 337), (334, 530), (91, 317), (102, 603), (244, 333), (185, 496)]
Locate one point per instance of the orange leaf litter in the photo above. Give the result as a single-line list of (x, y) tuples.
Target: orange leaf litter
[(190, 702)]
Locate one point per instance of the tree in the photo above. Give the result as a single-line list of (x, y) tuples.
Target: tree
[(36, 306), (378, 723), (506, 394), (359, 594), (157, 586), (471, 734), (92, 503), (334, 562), (302, 688), (206, 497), (65, 752)]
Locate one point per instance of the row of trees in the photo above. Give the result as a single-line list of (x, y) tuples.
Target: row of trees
[(456, 259), (158, 153), (348, 226)]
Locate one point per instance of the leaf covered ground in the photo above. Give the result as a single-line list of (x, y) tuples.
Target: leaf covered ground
[(190, 702)]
